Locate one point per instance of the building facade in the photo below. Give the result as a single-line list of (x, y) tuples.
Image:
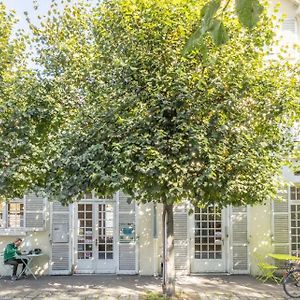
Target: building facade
[(110, 235), (115, 235)]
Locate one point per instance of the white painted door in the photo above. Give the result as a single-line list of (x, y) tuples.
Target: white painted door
[(208, 240), (95, 240)]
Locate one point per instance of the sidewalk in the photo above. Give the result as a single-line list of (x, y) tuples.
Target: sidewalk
[(126, 287)]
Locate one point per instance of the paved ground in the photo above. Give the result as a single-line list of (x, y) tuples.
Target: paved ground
[(126, 287)]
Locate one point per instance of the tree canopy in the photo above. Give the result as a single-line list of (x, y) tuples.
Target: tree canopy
[(13, 132), (137, 115), (113, 104)]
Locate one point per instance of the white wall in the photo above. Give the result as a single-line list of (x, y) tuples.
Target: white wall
[(32, 240), (145, 239), (260, 233), (287, 40)]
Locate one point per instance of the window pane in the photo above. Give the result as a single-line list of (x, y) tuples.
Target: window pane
[(210, 227), (15, 214), (2, 207), (295, 226), (293, 193)]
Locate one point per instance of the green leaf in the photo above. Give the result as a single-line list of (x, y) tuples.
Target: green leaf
[(193, 42), (248, 12), (207, 14), (218, 32)]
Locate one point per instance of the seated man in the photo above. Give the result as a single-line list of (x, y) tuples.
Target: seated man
[(10, 257)]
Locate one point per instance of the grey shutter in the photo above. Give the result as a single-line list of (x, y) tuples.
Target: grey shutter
[(127, 249), (280, 228), (60, 239), (181, 238), (35, 207), (239, 240)]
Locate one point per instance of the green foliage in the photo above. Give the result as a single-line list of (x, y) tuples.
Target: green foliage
[(248, 12), (123, 109), (208, 12), (134, 114), (218, 32), (208, 24), (14, 146), (155, 296), (158, 296), (36, 106)]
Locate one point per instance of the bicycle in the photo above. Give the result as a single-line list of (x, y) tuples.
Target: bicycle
[(291, 281)]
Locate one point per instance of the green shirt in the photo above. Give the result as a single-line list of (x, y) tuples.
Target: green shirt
[(10, 252)]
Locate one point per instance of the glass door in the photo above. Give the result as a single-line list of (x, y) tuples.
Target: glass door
[(105, 239), (208, 240), (295, 220), (85, 238), (95, 251)]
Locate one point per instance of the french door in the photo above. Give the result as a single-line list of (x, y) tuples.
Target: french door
[(295, 220), (95, 237), (208, 240)]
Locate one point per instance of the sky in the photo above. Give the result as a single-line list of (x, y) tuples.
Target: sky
[(20, 6)]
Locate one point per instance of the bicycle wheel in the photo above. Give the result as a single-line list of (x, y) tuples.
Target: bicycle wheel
[(291, 284)]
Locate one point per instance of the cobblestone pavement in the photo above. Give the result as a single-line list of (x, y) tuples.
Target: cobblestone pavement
[(127, 287)]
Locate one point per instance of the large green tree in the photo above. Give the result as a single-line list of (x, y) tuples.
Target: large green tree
[(13, 74), (129, 111), (36, 103)]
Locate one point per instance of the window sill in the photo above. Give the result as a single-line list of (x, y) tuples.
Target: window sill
[(19, 231), (12, 232)]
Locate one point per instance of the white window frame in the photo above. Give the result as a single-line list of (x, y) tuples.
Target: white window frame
[(5, 214), (5, 229), (2, 215), (293, 202), (15, 214)]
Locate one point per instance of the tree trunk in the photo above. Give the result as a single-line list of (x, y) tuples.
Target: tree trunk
[(168, 284)]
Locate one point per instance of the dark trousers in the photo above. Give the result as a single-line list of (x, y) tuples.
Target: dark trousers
[(15, 263)]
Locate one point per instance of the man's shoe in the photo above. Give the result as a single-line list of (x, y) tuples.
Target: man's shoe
[(14, 278)]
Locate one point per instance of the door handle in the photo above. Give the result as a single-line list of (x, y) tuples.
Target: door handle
[(96, 242), (219, 242)]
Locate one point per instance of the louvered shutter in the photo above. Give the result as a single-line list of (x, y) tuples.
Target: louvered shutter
[(181, 238), (127, 249), (239, 240), (290, 25), (35, 207), (60, 239), (280, 228), (289, 30)]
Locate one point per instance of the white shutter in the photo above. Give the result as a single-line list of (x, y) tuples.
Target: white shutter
[(35, 207), (181, 238), (127, 257), (290, 25), (239, 240), (60, 263), (289, 31), (280, 228), (127, 249)]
